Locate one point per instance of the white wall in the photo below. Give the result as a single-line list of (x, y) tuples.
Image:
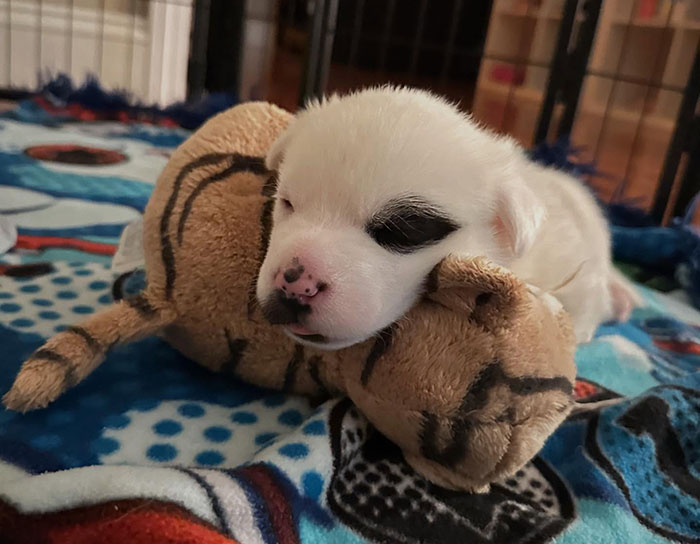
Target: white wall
[(133, 45)]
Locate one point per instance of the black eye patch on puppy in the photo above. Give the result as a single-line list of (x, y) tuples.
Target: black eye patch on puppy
[(408, 224)]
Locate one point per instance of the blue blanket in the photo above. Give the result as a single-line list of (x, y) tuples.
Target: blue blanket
[(152, 448)]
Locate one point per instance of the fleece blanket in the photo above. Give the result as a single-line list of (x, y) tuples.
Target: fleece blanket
[(153, 449)]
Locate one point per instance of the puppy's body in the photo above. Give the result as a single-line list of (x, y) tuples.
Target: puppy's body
[(375, 188), (571, 251)]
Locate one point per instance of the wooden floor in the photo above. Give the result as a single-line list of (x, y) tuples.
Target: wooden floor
[(6, 105), (286, 81), (623, 151)]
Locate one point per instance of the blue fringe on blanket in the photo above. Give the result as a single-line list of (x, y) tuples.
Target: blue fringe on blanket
[(189, 115)]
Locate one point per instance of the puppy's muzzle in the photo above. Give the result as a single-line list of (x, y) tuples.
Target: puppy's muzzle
[(279, 309)]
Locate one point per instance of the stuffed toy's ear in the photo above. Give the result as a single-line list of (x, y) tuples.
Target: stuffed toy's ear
[(275, 154), (518, 216), (475, 288)]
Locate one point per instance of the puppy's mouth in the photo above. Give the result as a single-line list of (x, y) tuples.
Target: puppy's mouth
[(301, 332), (289, 312)]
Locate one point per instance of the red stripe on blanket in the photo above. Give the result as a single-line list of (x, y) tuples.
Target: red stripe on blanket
[(38, 243), (678, 346), (277, 504), (117, 522)]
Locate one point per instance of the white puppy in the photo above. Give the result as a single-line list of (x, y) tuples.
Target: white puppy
[(375, 188)]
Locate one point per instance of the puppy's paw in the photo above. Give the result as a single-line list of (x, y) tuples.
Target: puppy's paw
[(625, 298)]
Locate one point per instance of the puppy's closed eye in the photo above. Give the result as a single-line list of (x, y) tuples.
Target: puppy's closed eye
[(409, 224)]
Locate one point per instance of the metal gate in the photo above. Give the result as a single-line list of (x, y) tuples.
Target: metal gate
[(572, 69)]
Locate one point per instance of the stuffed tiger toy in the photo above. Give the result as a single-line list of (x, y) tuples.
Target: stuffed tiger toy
[(469, 384)]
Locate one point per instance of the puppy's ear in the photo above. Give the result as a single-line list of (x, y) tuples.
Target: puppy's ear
[(518, 216), (477, 289), (275, 155)]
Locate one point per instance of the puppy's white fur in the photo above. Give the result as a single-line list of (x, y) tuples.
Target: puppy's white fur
[(344, 158)]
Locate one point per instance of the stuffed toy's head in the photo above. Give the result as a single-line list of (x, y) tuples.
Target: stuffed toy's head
[(469, 383)]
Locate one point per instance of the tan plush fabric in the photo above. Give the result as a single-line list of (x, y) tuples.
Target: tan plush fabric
[(469, 383)]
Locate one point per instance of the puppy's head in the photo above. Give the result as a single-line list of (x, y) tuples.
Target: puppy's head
[(374, 190)]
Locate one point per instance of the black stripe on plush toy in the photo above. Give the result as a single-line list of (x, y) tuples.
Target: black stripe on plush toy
[(266, 226), (240, 163), (453, 452), (166, 250), (45, 354), (265, 229), (141, 305), (90, 340), (476, 398), (380, 347), (290, 373), (236, 348), (493, 375), (269, 188), (431, 281), (315, 373), (529, 385)]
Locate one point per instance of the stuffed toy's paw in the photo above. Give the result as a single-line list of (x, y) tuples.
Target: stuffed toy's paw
[(42, 379)]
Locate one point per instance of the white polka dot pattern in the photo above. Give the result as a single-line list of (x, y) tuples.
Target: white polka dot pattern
[(189, 433)]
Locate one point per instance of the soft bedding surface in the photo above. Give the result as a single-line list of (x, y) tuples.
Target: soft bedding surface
[(153, 449)]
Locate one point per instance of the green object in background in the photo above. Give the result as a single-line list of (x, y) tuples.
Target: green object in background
[(638, 274)]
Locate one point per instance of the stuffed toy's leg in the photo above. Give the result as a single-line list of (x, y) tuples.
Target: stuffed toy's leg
[(68, 357)]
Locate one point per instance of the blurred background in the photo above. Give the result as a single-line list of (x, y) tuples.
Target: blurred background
[(616, 81)]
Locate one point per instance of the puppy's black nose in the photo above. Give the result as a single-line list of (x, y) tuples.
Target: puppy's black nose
[(280, 310), (292, 274)]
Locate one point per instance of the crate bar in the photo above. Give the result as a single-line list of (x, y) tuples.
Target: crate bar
[(557, 72), (291, 12), (319, 50), (522, 46), (451, 37), (577, 62), (386, 35), (417, 39), (690, 183), (132, 45), (71, 30), (681, 141), (197, 69), (647, 93), (613, 86), (39, 41), (356, 31), (328, 35), (8, 45)]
